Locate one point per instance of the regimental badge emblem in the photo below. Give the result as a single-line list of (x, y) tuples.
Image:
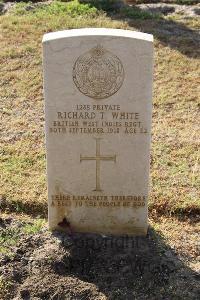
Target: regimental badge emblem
[(98, 73)]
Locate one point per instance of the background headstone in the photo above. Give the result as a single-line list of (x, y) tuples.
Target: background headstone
[(98, 91)]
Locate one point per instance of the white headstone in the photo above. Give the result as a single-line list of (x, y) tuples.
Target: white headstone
[(98, 92)]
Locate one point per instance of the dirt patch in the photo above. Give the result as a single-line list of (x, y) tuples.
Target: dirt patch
[(169, 9), (83, 266)]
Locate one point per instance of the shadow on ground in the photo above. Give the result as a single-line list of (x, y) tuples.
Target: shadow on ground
[(92, 267), (31, 208), (127, 268), (171, 34)]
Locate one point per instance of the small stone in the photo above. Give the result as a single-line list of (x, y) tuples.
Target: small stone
[(25, 294)]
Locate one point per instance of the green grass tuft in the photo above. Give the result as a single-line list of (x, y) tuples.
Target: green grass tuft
[(10, 235), (35, 227), (105, 5), (8, 238), (73, 9), (136, 13)]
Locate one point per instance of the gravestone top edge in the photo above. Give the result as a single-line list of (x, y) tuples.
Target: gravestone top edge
[(97, 32)]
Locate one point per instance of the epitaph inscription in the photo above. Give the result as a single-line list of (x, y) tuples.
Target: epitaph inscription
[(98, 90)]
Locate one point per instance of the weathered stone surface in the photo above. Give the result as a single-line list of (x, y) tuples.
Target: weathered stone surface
[(98, 90)]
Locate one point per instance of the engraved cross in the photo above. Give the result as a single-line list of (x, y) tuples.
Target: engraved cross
[(98, 159)]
